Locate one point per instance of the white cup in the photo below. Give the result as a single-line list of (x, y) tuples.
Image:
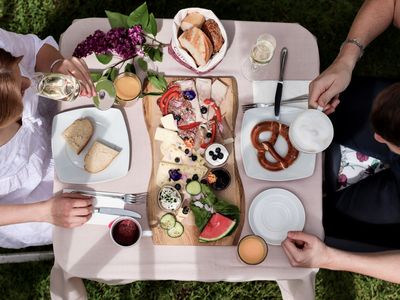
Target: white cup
[(311, 131), (125, 231)]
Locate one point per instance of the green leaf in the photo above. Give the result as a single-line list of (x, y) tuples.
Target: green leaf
[(152, 26), (155, 81), (95, 76), (130, 68), (163, 82), (104, 58), (139, 16), (117, 20), (113, 74), (142, 64), (96, 101), (157, 54)]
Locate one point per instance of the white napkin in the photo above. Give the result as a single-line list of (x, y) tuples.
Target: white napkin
[(264, 91), (99, 201)]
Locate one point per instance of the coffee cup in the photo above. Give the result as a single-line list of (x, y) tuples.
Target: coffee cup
[(128, 87), (311, 131), (125, 231)]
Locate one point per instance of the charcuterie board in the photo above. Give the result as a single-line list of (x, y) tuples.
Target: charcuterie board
[(233, 194)]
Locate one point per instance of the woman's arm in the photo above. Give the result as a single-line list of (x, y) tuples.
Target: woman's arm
[(305, 250), (49, 59), (66, 210)]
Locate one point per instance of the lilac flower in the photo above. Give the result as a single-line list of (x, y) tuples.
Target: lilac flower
[(342, 180), (361, 157), (126, 42)]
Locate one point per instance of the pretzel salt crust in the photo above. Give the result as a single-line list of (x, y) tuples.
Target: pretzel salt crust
[(276, 129)]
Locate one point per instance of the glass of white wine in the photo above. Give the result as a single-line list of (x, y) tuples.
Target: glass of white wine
[(260, 55), (57, 86)]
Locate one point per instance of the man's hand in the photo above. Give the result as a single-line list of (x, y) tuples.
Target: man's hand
[(69, 210), (305, 250), (324, 90)]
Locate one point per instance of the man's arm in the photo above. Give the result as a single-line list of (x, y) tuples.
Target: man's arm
[(305, 250), (371, 20)]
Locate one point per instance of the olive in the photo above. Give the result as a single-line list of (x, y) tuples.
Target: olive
[(203, 110), (188, 180), (187, 151), (195, 177), (218, 150), (220, 155), (211, 153), (204, 181), (215, 157), (185, 210), (178, 186), (177, 117), (177, 159), (194, 157), (209, 134)]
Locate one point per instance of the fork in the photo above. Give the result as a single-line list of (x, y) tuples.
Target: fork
[(301, 98), (127, 198)]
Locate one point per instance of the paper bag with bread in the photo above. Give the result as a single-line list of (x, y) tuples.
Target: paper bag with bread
[(199, 40)]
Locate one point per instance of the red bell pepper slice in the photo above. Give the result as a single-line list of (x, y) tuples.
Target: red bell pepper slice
[(215, 107), (189, 126), (162, 102)]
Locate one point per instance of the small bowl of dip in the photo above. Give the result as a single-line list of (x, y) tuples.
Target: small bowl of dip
[(127, 88), (311, 131), (252, 249), (216, 155), (169, 198)]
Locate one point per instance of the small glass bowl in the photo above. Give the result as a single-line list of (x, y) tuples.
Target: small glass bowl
[(163, 207)]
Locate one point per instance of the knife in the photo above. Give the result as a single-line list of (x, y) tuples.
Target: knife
[(117, 212), (278, 93)]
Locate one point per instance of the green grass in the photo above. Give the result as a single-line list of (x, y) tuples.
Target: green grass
[(328, 20)]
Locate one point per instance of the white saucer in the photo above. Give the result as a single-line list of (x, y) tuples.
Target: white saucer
[(274, 212)]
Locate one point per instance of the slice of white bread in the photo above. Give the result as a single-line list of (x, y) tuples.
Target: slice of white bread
[(78, 134), (197, 44), (99, 157), (193, 19)]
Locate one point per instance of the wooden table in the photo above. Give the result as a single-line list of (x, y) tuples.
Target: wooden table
[(87, 251)]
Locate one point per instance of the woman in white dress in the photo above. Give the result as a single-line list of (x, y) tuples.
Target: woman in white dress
[(28, 209)]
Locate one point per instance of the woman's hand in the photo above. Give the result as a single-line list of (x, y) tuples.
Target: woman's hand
[(69, 210), (77, 68), (324, 90), (305, 250)]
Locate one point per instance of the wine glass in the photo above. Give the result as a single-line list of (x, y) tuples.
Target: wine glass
[(56, 86), (260, 55)]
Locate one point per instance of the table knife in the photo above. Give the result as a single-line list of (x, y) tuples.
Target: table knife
[(278, 93), (117, 212)]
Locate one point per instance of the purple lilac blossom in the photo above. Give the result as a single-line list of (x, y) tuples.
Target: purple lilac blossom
[(126, 42)]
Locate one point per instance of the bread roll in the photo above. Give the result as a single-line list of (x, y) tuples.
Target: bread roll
[(197, 44), (211, 29), (193, 19), (78, 134), (99, 157)]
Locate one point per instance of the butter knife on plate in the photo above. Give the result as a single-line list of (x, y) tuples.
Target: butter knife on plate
[(279, 87), (117, 212)]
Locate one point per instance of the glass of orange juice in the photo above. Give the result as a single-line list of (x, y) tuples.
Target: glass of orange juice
[(127, 88), (252, 249)]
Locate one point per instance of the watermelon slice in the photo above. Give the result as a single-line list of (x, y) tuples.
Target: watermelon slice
[(217, 227)]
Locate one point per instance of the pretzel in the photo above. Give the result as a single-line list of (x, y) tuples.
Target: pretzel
[(276, 129)]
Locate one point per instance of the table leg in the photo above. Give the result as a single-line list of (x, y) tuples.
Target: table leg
[(299, 289), (64, 286)]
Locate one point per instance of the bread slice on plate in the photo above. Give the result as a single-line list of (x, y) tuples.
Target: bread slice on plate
[(78, 134), (197, 44), (99, 157)]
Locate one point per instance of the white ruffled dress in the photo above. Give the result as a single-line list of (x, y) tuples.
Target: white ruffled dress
[(26, 164)]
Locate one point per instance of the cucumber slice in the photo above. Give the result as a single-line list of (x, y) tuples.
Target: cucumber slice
[(193, 188), (176, 231), (167, 221)]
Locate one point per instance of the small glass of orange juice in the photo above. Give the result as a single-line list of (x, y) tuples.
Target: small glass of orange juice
[(127, 88), (252, 249)]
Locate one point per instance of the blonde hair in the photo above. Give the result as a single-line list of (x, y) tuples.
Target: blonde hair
[(11, 106)]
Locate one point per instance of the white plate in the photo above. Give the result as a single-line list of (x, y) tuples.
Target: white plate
[(303, 166), (110, 128), (274, 212)]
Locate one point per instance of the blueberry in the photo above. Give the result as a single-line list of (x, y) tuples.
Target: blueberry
[(218, 150), (177, 159), (178, 186), (215, 157), (188, 180), (189, 94), (220, 155), (185, 210), (177, 117), (211, 153), (203, 110), (187, 151), (194, 157), (195, 177), (209, 134)]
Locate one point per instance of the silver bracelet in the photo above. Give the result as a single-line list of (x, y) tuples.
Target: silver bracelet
[(355, 42), (54, 63)]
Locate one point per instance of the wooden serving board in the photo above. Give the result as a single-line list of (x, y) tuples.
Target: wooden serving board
[(233, 194)]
